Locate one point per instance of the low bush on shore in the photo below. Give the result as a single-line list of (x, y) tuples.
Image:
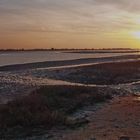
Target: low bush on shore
[(47, 107)]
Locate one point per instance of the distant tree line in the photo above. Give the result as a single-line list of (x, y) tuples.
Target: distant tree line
[(66, 49)]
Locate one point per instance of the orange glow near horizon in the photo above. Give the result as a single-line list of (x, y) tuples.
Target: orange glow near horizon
[(69, 24)]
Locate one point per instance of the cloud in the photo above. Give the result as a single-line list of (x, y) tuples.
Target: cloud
[(79, 16), (127, 5)]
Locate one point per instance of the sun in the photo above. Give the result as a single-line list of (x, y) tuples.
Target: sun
[(136, 34)]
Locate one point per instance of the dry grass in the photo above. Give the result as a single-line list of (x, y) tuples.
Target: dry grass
[(47, 107)]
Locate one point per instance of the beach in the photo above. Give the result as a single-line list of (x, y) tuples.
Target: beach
[(115, 78), (69, 70)]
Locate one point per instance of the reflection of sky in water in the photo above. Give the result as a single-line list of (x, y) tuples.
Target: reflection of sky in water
[(40, 56)]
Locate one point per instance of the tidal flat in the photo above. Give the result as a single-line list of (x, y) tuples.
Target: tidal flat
[(71, 101)]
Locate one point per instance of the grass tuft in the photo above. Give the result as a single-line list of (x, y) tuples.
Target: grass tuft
[(47, 107)]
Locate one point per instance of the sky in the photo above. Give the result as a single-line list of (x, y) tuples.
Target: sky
[(69, 24)]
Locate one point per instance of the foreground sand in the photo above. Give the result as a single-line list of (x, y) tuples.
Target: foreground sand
[(119, 118)]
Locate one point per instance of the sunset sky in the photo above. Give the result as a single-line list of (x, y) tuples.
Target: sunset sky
[(69, 23)]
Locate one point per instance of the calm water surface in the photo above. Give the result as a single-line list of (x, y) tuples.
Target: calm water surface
[(9, 58)]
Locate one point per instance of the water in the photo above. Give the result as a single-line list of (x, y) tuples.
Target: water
[(10, 58)]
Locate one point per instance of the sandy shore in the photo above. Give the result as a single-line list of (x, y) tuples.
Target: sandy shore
[(120, 117), (117, 119)]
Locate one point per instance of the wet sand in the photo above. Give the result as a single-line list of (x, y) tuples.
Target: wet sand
[(111, 73)]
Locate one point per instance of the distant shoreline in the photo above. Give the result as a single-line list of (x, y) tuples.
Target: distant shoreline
[(65, 49)]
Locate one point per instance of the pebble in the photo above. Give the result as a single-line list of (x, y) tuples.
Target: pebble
[(124, 138), (92, 139)]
